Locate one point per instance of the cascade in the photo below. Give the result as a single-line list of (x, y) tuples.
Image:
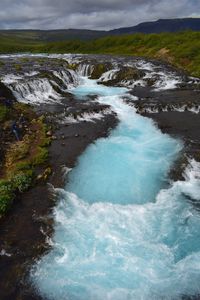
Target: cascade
[(34, 89), (85, 69)]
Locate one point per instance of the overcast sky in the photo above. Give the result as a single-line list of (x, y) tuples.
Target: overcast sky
[(92, 14)]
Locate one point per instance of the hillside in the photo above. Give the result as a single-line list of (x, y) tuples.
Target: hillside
[(52, 35), (159, 26)]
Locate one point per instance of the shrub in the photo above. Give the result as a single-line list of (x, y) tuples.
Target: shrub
[(6, 196), (41, 156), (22, 181)]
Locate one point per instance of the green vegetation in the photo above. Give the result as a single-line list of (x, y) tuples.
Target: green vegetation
[(1, 63), (22, 158), (6, 195), (99, 69), (3, 112), (181, 49), (18, 67)]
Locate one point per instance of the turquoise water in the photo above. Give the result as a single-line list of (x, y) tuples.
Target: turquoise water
[(121, 232), (90, 87)]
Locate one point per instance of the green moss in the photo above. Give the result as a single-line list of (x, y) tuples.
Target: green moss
[(72, 66), (3, 112), (98, 70), (23, 165), (1, 63), (126, 73), (24, 59), (18, 67)]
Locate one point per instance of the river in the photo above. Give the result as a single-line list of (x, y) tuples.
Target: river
[(123, 231)]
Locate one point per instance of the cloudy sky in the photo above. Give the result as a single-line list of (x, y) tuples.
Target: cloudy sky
[(92, 14)]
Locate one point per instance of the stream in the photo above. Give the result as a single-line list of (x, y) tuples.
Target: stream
[(122, 230)]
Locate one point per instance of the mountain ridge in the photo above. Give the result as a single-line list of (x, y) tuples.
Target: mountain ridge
[(161, 25)]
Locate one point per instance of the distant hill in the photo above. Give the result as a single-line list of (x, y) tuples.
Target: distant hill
[(53, 35), (163, 25)]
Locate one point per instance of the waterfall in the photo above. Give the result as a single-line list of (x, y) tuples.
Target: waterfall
[(85, 69), (34, 89), (109, 75), (68, 77)]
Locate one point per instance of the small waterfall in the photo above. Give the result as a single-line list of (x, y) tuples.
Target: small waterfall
[(69, 78), (34, 91), (75, 79), (36, 88), (85, 69), (109, 75)]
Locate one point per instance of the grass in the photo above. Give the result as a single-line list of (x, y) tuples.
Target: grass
[(23, 157)]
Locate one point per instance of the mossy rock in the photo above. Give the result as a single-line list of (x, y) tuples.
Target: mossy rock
[(6, 92), (18, 67), (151, 81), (129, 73), (73, 66), (99, 69), (125, 74)]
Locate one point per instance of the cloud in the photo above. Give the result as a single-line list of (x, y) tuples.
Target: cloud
[(91, 14)]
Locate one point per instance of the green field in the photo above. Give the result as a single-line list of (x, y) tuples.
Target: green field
[(180, 49)]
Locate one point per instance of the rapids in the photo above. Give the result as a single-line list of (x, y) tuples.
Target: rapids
[(122, 231)]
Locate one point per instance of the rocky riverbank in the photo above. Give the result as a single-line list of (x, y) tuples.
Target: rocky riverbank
[(175, 112), (168, 96)]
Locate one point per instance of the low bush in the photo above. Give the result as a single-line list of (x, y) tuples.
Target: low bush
[(6, 196)]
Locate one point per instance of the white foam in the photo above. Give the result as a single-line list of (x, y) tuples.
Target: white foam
[(30, 88), (193, 109), (84, 117), (36, 91), (107, 251), (109, 75), (85, 69), (4, 253)]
